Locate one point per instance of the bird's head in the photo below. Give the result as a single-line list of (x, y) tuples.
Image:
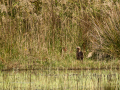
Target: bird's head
[(78, 49)]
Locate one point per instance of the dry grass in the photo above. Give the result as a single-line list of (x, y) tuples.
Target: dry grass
[(47, 30)]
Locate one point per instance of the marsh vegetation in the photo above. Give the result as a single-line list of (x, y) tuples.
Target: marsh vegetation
[(60, 80), (46, 32), (41, 36)]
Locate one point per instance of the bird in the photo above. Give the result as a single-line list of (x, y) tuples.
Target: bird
[(79, 53)]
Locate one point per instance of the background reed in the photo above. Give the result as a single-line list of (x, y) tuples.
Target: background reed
[(38, 31)]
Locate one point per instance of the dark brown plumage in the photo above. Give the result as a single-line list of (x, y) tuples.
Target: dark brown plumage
[(79, 54)]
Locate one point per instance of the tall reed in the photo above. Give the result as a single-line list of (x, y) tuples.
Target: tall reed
[(47, 29)]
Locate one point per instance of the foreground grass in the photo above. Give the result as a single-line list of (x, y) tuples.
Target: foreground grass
[(62, 80)]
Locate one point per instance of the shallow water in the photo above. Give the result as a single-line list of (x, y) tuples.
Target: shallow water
[(60, 80)]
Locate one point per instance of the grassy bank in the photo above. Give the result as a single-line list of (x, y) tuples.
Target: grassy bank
[(45, 33), (63, 64)]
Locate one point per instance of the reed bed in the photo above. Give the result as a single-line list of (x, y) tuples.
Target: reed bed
[(41, 32)]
